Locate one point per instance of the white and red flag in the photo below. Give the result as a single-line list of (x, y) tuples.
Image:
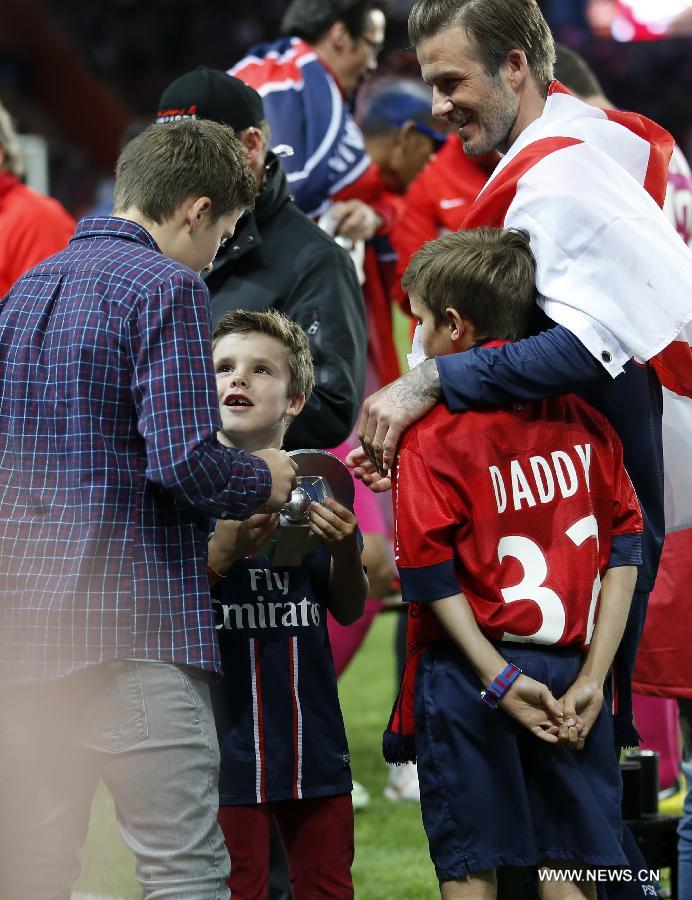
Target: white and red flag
[(610, 266)]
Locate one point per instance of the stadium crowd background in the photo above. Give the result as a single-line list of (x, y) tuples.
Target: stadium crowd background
[(79, 73)]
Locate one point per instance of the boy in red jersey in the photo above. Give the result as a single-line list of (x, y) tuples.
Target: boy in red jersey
[(519, 565)]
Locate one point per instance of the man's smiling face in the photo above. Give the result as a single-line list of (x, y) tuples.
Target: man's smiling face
[(482, 108)]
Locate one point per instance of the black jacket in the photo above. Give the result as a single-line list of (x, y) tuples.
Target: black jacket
[(279, 258)]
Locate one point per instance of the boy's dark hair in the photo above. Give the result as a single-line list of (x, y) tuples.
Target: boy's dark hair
[(167, 164), (276, 325), (488, 275), (310, 19), (497, 27), (575, 73)]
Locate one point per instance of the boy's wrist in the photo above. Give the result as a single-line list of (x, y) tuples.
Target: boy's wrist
[(593, 679), (219, 559), (345, 551), (500, 685)]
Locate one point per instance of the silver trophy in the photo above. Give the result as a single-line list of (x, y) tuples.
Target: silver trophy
[(320, 475)]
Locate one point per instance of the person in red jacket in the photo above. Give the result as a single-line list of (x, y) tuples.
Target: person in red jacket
[(437, 201), (400, 137), (32, 226)]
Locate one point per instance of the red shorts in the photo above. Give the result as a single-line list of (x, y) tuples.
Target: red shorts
[(317, 835)]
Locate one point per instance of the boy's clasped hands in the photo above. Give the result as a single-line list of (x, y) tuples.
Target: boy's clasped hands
[(566, 721)]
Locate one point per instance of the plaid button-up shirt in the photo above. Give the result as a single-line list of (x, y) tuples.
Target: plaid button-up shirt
[(109, 463)]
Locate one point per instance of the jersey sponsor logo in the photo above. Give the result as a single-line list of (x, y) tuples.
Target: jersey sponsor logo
[(261, 613), (267, 614), (540, 479)]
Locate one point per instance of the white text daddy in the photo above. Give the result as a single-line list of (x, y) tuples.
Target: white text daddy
[(540, 478)]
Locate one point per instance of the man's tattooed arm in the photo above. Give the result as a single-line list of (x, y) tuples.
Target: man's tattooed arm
[(389, 412)]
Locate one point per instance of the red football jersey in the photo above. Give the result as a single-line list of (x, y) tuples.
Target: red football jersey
[(518, 509)]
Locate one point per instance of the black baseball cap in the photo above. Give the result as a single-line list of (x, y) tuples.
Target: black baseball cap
[(211, 94)]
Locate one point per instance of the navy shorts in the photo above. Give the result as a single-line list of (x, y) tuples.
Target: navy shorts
[(493, 794)]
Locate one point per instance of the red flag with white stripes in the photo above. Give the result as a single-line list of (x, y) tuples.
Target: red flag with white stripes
[(610, 267)]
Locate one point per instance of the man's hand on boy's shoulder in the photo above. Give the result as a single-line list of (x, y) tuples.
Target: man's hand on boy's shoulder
[(335, 525), (533, 706), (390, 411), (581, 704), (233, 540)]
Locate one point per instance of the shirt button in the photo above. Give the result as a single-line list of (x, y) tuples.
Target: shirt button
[(236, 247), (250, 239), (607, 356)]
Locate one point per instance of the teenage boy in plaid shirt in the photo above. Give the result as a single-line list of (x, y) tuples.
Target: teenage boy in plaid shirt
[(109, 470)]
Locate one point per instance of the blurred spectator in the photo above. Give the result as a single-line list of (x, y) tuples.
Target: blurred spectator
[(400, 131), (306, 81), (400, 136), (438, 199), (626, 20), (32, 226), (278, 258)]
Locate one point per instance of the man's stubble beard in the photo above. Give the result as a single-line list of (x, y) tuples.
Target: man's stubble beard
[(498, 120)]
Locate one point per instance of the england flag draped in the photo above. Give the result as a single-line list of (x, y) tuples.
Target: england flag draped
[(610, 266)]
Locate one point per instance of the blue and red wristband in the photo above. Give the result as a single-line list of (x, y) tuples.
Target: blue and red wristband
[(500, 685)]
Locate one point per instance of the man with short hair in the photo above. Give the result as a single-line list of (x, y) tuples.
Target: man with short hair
[(31, 226), (109, 470), (306, 81), (610, 273), (279, 259)]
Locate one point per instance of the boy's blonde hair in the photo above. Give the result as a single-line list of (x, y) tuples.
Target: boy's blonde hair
[(488, 275), (276, 325)]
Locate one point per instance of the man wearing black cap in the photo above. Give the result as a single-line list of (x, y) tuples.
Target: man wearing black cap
[(279, 258)]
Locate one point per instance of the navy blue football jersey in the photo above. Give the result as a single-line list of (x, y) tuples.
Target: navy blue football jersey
[(277, 710)]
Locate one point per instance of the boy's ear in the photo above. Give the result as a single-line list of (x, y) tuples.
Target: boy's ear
[(198, 212), (295, 405), (461, 330), (455, 324)]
